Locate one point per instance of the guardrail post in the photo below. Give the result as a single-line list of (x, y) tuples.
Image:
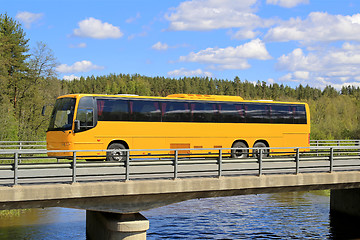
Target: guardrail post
[(127, 166), (20, 148), (220, 163), (297, 160), (16, 165), (260, 161), (176, 164), (331, 158), (74, 168)]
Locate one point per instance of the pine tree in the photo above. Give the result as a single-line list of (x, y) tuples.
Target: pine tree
[(14, 55)]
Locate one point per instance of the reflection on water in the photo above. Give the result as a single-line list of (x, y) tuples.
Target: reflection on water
[(297, 215), (49, 223)]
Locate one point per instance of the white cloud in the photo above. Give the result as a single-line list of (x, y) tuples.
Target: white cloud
[(71, 77), (321, 67), (141, 34), (301, 75), (345, 84), (28, 18), (270, 81), (230, 57), (80, 45), (160, 46), (164, 46), (318, 26), (185, 72), (94, 28), (287, 78), (82, 66), (133, 19), (213, 14), (298, 61), (243, 34), (287, 3), (350, 47)]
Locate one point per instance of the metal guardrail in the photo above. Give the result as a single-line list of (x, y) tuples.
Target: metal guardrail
[(22, 145), (34, 166), (317, 143)]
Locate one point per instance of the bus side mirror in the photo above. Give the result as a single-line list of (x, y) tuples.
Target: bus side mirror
[(43, 110), (77, 125)]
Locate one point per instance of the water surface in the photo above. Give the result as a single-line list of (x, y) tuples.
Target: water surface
[(297, 215)]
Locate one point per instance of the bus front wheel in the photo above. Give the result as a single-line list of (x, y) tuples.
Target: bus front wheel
[(239, 153), (116, 154)]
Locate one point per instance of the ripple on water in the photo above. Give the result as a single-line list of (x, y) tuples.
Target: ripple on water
[(265, 216)]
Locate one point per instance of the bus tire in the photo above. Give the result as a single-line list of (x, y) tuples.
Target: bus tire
[(265, 152), (239, 153), (115, 155)]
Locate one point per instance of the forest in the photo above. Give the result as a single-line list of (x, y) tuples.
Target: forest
[(28, 81)]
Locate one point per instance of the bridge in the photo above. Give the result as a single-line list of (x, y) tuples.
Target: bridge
[(114, 193)]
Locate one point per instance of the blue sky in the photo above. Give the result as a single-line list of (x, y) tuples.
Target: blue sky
[(293, 42)]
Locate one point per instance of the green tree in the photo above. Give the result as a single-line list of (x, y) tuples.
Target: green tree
[(42, 89), (28, 81), (14, 55), (8, 123), (42, 62), (13, 69)]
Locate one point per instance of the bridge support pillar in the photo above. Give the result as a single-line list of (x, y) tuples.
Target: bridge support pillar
[(345, 201), (114, 226)]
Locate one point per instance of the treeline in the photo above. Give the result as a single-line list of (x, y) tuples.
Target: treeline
[(162, 86), (28, 81)]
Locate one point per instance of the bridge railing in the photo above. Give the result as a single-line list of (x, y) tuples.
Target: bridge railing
[(42, 144), (29, 166)]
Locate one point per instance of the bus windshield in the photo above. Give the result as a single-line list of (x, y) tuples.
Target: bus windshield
[(62, 115)]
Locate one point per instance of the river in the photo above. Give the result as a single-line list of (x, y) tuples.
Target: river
[(297, 215)]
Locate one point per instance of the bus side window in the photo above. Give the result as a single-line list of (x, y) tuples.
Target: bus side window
[(281, 113), (86, 117), (257, 113), (85, 113), (175, 112), (300, 114), (113, 109), (204, 112), (231, 113), (146, 111)]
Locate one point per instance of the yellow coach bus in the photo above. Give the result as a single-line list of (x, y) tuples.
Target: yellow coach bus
[(95, 121)]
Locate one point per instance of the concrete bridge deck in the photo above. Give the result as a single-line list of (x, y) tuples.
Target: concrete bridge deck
[(136, 196)]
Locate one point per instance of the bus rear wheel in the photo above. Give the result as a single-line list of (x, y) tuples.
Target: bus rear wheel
[(239, 153), (116, 155), (265, 152)]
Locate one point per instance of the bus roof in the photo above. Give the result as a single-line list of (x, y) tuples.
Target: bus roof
[(181, 96), (207, 97)]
